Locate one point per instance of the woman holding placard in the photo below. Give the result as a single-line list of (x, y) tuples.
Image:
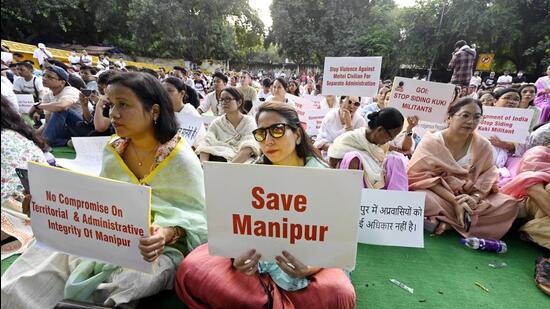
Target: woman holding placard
[(504, 152), (229, 137), (286, 283), (176, 88), (455, 168), (147, 151), (367, 149)]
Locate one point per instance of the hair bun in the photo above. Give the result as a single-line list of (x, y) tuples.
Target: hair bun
[(373, 115)]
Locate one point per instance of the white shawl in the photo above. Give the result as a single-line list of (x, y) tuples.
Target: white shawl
[(224, 140), (332, 127), (372, 156)]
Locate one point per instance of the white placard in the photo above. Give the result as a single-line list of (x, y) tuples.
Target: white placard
[(351, 76), (314, 98), (303, 103), (89, 155), (427, 100), (207, 120), (508, 124), (189, 126), (269, 211), (90, 217), (311, 119), (392, 218), (425, 126), (25, 101)]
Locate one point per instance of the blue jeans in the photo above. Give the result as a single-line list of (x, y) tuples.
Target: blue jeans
[(59, 128)]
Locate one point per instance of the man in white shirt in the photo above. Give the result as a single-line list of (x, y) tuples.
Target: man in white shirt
[(41, 53), (74, 58), (505, 80), (266, 90), (61, 104), (85, 59), (7, 92), (28, 83), (476, 79), (212, 100)]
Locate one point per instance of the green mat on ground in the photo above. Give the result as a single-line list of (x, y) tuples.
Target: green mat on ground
[(63, 152), (443, 275)]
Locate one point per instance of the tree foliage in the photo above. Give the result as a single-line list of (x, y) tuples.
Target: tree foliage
[(516, 30), (192, 29)]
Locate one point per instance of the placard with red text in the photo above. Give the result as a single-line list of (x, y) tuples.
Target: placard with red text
[(91, 217), (275, 208), (507, 123), (427, 100), (352, 76)]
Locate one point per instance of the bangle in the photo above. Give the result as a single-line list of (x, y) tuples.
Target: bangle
[(477, 195)]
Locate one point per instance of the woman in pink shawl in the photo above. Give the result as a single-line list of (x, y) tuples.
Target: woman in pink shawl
[(542, 101), (455, 168), (533, 183)]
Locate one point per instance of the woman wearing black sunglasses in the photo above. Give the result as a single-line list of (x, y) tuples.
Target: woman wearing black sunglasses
[(337, 122), (288, 282)]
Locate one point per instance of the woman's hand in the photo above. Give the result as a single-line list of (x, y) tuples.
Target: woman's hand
[(345, 115), (292, 266), (411, 123), (459, 211), (151, 247), (26, 205), (465, 198), (248, 262)]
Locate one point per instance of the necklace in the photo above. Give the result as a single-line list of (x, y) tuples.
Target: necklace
[(140, 161)]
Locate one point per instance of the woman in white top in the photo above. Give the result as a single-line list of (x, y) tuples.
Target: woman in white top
[(176, 88), (339, 121), (330, 101), (229, 137), (279, 92)]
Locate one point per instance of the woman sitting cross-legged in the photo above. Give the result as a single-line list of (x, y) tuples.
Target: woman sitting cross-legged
[(367, 149), (147, 151), (455, 168), (229, 137), (205, 281)]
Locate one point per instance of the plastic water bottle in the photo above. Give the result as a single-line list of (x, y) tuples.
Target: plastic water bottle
[(50, 158), (492, 245)]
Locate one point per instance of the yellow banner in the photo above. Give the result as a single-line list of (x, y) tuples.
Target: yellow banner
[(485, 62)]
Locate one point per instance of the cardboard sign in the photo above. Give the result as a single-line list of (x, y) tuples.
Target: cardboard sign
[(302, 104), (352, 76), (25, 101), (425, 126), (314, 98), (485, 62), (90, 217), (392, 218), (427, 100), (89, 155), (268, 211), (508, 124), (189, 126)]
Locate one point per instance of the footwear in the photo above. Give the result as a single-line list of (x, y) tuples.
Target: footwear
[(542, 274), (70, 144)]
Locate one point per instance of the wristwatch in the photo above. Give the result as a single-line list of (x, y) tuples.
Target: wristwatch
[(409, 133)]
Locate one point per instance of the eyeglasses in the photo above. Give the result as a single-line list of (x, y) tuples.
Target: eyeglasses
[(511, 98), (227, 99), (389, 134), (467, 117), (277, 130), (357, 104)]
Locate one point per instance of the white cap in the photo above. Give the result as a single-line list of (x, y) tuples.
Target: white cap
[(41, 45)]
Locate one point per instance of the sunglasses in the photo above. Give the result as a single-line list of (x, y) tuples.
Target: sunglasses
[(357, 104), (277, 130)]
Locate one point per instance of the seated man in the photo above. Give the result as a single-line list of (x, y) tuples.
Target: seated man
[(28, 83), (61, 105)]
